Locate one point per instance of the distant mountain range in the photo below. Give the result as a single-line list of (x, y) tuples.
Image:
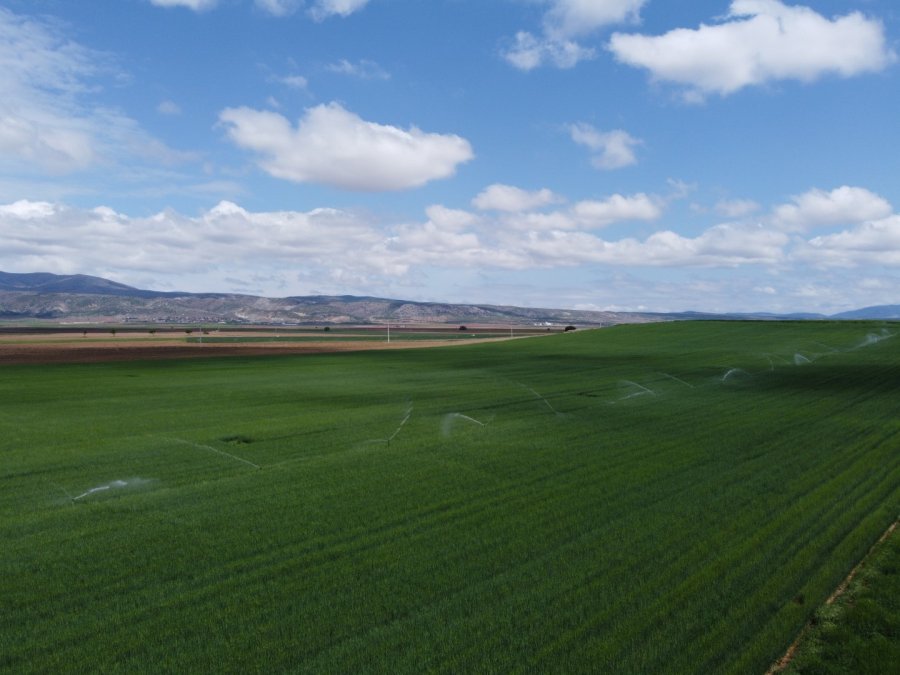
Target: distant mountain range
[(83, 298)]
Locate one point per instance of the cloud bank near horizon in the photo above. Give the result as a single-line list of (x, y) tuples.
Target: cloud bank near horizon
[(510, 229)]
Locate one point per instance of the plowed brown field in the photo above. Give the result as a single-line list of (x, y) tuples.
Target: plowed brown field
[(68, 348)]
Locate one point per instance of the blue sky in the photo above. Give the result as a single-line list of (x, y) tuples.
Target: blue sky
[(601, 154)]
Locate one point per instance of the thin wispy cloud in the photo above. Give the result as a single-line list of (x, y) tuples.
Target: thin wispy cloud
[(564, 23), (610, 149), (319, 10), (50, 119), (169, 108), (363, 69), (196, 5), (279, 8), (736, 208), (323, 9), (293, 81)]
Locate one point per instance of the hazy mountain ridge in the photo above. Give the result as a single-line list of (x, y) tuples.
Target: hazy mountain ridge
[(185, 308), (876, 312), (76, 298), (84, 298)]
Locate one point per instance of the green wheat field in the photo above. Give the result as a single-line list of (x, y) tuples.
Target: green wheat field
[(666, 498)]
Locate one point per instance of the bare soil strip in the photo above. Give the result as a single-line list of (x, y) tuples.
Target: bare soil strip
[(785, 660), (86, 351)]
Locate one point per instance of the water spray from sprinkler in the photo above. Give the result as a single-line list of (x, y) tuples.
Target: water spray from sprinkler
[(450, 418), (678, 379), (733, 371), (527, 388), (217, 451)]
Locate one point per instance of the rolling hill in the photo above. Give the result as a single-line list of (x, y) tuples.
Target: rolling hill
[(84, 298)]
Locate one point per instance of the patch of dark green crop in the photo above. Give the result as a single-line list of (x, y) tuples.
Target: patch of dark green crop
[(237, 439)]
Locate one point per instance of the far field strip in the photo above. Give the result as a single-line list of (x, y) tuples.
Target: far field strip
[(76, 349)]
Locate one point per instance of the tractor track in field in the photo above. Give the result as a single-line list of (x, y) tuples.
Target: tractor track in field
[(782, 663)]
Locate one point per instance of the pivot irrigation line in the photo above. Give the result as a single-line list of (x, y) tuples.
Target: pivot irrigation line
[(644, 390), (677, 379), (734, 371), (62, 489), (450, 418), (408, 413), (525, 386), (466, 417), (101, 488), (397, 430), (217, 451)]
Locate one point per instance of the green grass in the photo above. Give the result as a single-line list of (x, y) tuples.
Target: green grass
[(860, 632), (601, 501)]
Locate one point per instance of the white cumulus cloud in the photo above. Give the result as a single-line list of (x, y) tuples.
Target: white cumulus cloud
[(568, 18), (54, 236), (722, 245), (498, 197), (27, 210), (871, 243), (453, 219), (347, 250), (612, 149), (333, 146), (842, 206), (588, 214), (759, 41), (616, 208)]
